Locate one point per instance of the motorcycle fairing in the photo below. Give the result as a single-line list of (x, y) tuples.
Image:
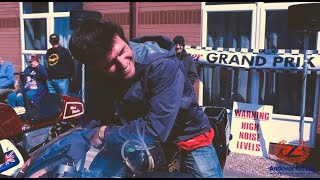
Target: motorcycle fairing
[(13, 159), (10, 160)]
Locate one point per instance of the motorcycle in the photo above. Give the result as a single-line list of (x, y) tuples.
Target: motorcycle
[(24, 130), (71, 156)]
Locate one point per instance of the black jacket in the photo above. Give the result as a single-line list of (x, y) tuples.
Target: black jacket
[(60, 63), (190, 69)]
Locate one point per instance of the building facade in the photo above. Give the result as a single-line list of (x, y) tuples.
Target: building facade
[(26, 26)]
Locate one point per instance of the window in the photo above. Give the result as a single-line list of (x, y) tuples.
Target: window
[(40, 19), (283, 90), (62, 29), (35, 7), (223, 3), (67, 6), (35, 34), (278, 36), (241, 26), (227, 30)]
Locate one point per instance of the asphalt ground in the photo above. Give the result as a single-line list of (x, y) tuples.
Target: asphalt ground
[(248, 166)]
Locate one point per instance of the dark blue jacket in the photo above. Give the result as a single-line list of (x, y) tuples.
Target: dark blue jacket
[(159, 101)]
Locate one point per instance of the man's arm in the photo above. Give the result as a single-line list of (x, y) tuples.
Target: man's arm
[(10, 77), (192, 71), (165, 83), (42, 74)]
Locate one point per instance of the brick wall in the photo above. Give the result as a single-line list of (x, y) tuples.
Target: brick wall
[(116, 11), (171, 19), (10, 44), (165, 18)]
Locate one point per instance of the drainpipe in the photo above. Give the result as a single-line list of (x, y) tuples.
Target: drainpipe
[(134, 19)]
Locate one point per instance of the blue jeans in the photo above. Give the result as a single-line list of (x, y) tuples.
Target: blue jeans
[(202, 162), (14, 100), (58, 86)]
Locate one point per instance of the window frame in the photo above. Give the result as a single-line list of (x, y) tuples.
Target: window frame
[(253, 8), (258, 27), (258, 34), (50, 28)]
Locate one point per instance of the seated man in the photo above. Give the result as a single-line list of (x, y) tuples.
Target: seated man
[(6, 79), (35, 84)]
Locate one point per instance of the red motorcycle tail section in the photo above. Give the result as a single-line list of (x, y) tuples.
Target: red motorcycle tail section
[(10, 124), (72, 108)]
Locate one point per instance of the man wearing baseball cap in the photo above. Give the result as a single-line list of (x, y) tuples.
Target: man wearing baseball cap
[(190, 70), (60, 67), (36, 76)]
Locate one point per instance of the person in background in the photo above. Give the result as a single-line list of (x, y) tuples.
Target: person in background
[(35, 77), (60, 67), (190, 69), (6, 79), (152, 99)]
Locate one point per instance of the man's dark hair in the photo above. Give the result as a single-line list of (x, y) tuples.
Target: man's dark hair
[(93, 40), (54, 38)]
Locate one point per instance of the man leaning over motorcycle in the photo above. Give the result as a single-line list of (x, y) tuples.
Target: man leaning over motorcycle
[(141, 83)]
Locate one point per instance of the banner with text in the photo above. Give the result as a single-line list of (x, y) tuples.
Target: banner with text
[(249, 128), (255, 60)]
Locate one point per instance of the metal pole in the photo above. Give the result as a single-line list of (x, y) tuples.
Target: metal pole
[(83, 84), (304, 86)]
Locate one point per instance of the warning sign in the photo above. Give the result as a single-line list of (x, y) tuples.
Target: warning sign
[(248, 127)]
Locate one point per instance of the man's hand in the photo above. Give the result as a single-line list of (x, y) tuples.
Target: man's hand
[(97, 140), (28, 78), (19, 94)]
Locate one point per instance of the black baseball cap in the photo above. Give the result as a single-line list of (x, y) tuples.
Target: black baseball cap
[(54, 38), (178, 40)]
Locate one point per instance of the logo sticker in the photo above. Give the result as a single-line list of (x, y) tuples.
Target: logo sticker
[(10, 160), (292, 153), (73, 109)]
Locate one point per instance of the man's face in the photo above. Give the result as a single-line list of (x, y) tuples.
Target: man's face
[(119, 63), (34, 64), (179, 48), (54, 43)]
